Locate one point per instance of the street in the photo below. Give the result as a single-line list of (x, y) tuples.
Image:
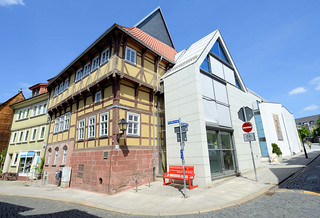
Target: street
[(298, 196)]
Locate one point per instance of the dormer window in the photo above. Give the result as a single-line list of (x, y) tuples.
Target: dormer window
[(131, 55), (86, 69), (78, 74), (95, 63), (104, 56)]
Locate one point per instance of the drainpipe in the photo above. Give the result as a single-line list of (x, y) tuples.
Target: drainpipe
[(153, 116), (45, 149)]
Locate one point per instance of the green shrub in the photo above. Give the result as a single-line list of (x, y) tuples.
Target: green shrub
[(276, 149)]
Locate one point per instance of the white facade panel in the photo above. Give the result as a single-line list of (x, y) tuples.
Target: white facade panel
[(216, 67), (220, 92), (207, 86), (224, 115), (229, 74)]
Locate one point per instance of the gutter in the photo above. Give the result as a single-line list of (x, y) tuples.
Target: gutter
[(45, 149), (153, 117)]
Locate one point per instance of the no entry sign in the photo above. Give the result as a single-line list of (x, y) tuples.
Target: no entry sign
[(247, 127)]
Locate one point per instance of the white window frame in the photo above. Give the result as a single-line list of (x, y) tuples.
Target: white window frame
[(56, 91), (56, 154), (14, 137), (105, 55), (44, 132), (86, 69), (20, 136), (56, 125), (34, 112), (102, 123), (65, 153), (20, 115), (95, 63), (44, 108), (26, 136), (133, 122), (131, 50), (33, 139), (93, 125), (49, 156), (81, 129), (78, 75), (95, 97), (40, 106), (15, 159), (61, 123), (61, 88), (66, 84), (67, 117)]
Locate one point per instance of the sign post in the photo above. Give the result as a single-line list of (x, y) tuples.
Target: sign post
[(181, 131), (248, 137)]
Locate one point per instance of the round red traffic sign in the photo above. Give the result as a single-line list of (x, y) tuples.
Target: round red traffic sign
[(247, 127)]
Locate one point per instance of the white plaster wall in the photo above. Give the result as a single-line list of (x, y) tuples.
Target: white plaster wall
[(293, 137), (183, 99), (237, 100), (267, 110)]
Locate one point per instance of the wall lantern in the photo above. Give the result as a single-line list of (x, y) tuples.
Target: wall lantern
[(122, 127)]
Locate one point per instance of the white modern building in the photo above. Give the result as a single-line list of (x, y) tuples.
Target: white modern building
[(205, 90)]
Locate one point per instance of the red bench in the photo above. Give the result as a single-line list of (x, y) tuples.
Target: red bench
[(176, 172)]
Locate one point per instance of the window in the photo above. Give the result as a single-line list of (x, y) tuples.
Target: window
[(39, 109), (133, 124), (78, 74), (20, 115), (131, 55), (66, 121), (15, 159), (25, 113), (61, 124), (44, 110), (20, 136), (95, 63), (104, 56), (205, 65), (91, 127), (218, 50), (56, 156), (56, 125), (86, 69), (34, 134), (81, 130), (97, 97), (49, 156), (42, 132), (61, 88), (56, 91), (35, 110), (26, 136), (104, 120), (66, 84), (65, 152), (14, 136)]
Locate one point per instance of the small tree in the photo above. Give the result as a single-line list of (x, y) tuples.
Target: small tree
[(303, 132), (276, 149), (2, 157), (39, 167)]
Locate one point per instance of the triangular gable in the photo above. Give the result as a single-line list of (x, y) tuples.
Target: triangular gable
[(155, 25)]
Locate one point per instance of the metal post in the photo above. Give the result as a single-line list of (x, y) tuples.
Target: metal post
[(183, 162), (254, 165), (304, 149)]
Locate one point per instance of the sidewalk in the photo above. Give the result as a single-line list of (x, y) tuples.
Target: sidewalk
[(168, 200)]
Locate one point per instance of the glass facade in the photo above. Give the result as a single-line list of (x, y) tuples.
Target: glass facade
[(217, 50), (221, 153), (206, 65)]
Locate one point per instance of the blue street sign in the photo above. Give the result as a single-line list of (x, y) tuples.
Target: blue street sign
[(184, 124), (173, 122), (181, 154)]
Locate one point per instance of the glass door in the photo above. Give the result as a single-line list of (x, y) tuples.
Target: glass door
[(221, 153)]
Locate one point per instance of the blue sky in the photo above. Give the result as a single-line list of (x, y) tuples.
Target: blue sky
[(275, 44)]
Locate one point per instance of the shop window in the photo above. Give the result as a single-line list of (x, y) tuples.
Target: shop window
[(131, 55), (104, 119), (104, 56), (133, 124)]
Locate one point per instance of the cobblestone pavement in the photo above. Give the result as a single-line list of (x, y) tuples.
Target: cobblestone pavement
[(307, 179)]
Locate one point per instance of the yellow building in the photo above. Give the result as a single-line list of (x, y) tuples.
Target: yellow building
[(29, 132), (116, 78)]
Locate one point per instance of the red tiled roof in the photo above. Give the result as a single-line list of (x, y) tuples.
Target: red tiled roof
[(165, 50)]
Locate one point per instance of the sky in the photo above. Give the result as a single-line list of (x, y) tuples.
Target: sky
[(274, 44)]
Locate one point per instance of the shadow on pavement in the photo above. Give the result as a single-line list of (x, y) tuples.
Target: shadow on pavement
[(12, 210)]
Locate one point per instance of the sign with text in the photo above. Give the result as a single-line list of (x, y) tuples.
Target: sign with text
[(248, 137)]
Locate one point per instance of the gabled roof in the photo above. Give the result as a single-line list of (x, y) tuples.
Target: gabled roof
[(7, 101), (198, 52), (155, 25), (166, 51)]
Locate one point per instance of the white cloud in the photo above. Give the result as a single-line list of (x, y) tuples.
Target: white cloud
[(311, 107), (11, 2), (298, 90), (316, 81)]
